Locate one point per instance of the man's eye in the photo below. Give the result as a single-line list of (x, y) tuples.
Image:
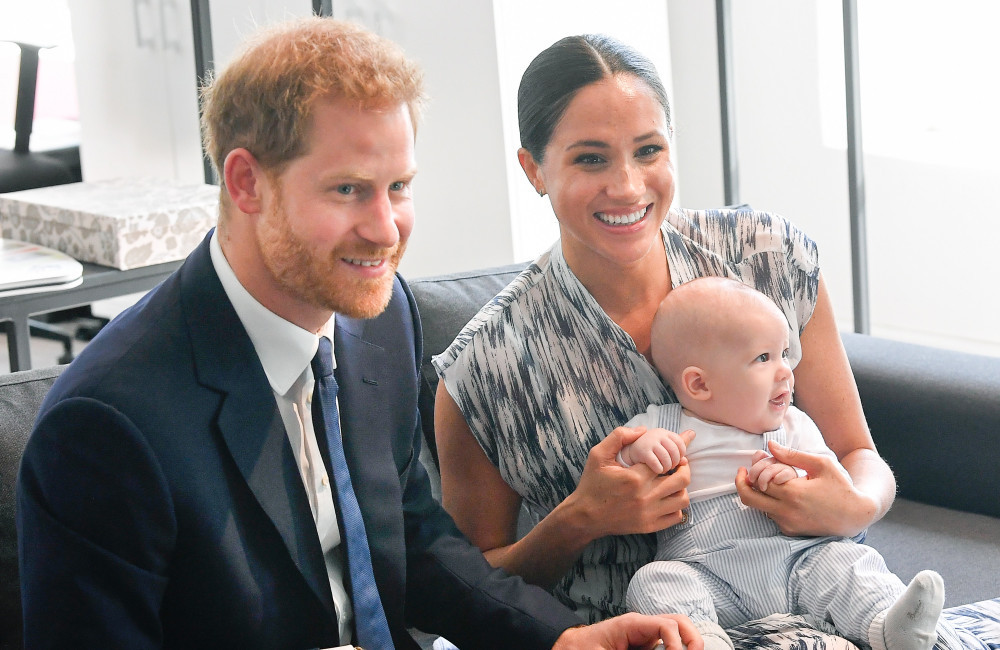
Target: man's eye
[(345, 189), (398, 186)]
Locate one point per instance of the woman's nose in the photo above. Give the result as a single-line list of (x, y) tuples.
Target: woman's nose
[(626, 183)]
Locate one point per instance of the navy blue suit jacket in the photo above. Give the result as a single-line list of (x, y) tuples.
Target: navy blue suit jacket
[(159, 503)]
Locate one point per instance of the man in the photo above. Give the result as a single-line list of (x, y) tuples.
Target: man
[(177, 490)]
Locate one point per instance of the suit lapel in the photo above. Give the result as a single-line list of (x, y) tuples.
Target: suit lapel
[(370, 412), (358, 365), (248, 421)]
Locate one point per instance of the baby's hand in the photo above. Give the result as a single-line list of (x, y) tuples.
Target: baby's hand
[(659, 449), (765, 469)]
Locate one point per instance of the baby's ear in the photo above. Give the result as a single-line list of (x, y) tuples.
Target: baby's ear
[(694, 383)]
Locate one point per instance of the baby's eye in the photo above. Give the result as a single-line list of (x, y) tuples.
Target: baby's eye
[(764, 357), (784, 353)]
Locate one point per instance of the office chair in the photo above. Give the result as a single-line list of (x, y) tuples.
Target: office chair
[(23, 169)]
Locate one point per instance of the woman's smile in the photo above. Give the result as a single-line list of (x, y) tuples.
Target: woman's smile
[(622, 219)]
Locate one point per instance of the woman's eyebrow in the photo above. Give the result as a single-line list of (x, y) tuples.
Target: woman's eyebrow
[(599, 144), (651, 134), (588, 144)]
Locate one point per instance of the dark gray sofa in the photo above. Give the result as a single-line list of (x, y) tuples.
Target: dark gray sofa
[(934, 414), (21, 394)]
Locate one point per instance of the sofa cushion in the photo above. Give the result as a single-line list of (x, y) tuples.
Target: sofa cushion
[(21, 394), (961, 546), (446, 303)]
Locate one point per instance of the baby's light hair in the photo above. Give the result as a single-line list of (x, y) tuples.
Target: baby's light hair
[(699, 316)]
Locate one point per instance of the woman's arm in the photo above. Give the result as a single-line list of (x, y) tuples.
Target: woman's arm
[(826, 390), (609, 500)]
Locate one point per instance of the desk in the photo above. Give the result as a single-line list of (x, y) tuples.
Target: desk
[(99, 283)]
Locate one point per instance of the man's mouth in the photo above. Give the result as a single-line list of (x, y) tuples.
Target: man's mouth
[(361, 262)]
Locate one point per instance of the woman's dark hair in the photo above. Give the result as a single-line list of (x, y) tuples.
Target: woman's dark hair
[(554, 76)]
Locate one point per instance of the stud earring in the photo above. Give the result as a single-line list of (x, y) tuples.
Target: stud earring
[(541, 192)]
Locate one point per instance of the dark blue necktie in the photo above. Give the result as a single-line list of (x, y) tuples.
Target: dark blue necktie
[(369, 617)]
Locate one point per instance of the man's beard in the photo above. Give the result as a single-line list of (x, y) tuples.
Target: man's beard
[(312, 277)]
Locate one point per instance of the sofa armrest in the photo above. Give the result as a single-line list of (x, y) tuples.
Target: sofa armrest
[(935, 417)]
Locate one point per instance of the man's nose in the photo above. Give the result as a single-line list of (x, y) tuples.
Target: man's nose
[(379, 223)]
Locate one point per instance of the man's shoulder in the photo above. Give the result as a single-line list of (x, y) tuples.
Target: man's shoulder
[(141, 344)]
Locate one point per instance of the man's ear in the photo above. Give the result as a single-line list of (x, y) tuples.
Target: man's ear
[(244, 181), (694, 383), (530, 167)]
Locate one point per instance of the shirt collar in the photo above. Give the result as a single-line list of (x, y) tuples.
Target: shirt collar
[(285, 350)]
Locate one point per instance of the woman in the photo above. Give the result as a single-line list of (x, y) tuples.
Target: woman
[(533, 385)]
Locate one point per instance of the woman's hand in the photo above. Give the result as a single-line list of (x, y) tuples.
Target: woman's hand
[(615, 500), (675, 632), (825, 502), (610, 499)]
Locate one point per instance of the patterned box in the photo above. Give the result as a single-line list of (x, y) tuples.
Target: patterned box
[(121, 223)]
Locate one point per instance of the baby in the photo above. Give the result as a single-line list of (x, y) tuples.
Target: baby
[(723, 348)]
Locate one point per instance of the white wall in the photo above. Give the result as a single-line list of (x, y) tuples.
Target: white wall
[(232, 21), (932, 224), (138, 94)]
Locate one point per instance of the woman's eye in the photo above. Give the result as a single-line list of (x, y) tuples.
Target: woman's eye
[(589, 159), (649, 151)]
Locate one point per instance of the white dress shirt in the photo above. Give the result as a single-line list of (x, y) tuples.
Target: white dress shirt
[(285, 351)]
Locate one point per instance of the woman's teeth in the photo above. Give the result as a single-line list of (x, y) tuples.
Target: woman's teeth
[(624, 220)]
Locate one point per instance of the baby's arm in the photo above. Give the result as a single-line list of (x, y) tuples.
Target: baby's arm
[(659, 449)]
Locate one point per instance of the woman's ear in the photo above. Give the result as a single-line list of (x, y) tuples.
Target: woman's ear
[(531, 170), (244, 177), (694, 383)]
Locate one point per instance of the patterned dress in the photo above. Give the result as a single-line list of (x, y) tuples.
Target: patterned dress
[(542, 374)]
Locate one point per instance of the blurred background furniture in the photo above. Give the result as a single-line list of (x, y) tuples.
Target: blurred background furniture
[(99, 283), (21, 167), (24, 168)]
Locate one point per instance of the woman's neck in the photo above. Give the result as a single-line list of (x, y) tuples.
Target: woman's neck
[(629, 295)]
